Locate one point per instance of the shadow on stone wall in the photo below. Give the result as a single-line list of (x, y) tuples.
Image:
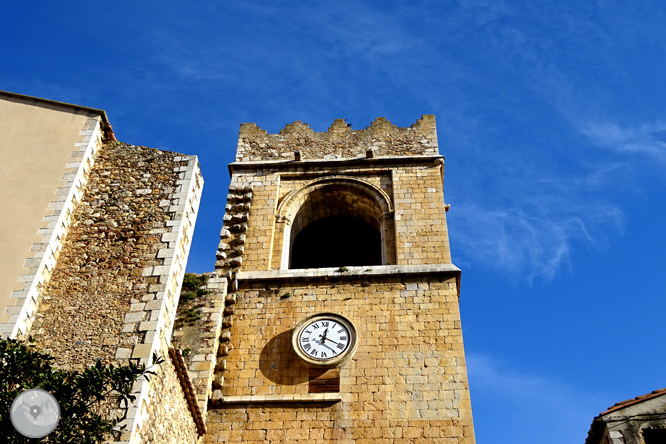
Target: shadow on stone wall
[(279, 363)]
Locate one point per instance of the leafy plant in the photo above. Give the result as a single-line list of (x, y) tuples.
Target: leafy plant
[(193, 289), (82, 395)]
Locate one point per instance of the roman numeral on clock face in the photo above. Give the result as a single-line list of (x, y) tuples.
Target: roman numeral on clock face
[(324, 339)]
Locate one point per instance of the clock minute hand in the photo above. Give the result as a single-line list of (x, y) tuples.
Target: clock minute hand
[(337, 343)]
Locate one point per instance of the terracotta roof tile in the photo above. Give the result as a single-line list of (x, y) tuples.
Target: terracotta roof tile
[(636, 400)]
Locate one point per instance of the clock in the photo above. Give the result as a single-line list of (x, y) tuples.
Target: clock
[(324, 339)]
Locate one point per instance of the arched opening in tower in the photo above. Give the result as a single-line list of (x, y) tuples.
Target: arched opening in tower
[(337, 241)]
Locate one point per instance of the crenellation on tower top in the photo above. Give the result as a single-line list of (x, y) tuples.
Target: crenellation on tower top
[(339, 142), (340, 126), (251, 129), (380, 124), (297, 127), (426, 123)]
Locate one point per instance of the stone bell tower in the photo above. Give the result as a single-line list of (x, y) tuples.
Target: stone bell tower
[(341, 321)]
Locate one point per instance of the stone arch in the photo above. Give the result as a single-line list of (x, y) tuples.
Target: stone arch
[(336, 196)]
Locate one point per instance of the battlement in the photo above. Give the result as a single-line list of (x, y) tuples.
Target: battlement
[(339, 142)]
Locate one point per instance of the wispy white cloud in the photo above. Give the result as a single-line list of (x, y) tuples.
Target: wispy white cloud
[(520, 213), (514, 209), (530, 242), (648, 139)]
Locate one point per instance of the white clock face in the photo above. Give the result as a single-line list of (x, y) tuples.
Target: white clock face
[(324, 338)]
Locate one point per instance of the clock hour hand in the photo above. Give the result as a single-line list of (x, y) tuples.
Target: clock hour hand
[(323, 337)]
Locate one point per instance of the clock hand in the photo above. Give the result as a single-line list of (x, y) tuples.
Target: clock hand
[(323, 337), (331, 340)]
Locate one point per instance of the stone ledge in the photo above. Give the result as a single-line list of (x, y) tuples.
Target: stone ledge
[(354, 161), (350, 272), (304, 397)]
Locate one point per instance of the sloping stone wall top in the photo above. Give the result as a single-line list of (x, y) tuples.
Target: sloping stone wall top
[(340, 141)]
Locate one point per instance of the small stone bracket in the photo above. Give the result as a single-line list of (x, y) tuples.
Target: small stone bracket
[(229, 261)]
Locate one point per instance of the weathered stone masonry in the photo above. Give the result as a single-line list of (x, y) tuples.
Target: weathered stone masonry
[(407, 382), (115, 234), (113, 293), (340, 141)]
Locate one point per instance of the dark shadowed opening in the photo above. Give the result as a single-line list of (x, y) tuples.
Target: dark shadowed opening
[(337, 241), (654, 436)]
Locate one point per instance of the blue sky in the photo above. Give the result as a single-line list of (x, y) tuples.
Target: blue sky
[(550, 114)]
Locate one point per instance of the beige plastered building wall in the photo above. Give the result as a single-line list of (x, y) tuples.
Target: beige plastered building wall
[(47, 147)]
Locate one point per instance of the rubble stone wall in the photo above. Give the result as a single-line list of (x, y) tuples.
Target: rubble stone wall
[(115, 233), (156, 313), (114, 289), (200, 339)]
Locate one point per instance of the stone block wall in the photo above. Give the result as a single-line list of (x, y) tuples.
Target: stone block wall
[(420, 220), (641, 420), (402, 197), (406, 383)]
